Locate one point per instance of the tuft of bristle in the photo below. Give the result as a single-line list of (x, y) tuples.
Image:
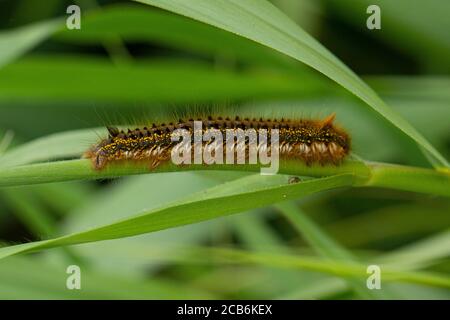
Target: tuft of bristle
[(328, 121), (311, 141)]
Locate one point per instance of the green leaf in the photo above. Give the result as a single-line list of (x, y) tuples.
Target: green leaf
[(123, 199), (217, 201), (260, 21), (59, 78), (56, 146), (223, 200), (411, 179), (14, 43), (57, 171)]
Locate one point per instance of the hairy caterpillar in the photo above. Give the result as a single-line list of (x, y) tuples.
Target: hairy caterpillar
[(311, 141)]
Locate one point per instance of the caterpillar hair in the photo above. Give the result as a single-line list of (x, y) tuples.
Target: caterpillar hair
[(308, 140)]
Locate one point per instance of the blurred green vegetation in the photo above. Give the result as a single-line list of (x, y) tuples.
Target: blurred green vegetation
[(130, 61)]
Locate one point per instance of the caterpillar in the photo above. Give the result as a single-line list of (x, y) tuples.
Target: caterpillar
[(308, 140)]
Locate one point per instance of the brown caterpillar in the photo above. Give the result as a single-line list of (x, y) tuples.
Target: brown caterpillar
[(310, 141)]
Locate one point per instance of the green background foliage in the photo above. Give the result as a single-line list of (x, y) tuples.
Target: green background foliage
[(225, 232)]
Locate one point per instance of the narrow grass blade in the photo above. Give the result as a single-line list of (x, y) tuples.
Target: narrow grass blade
[(16, 42), (224, 199)]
